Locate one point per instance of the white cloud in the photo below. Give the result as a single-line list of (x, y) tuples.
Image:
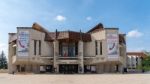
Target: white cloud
[(88, 18), (60, 18), (134, 34)]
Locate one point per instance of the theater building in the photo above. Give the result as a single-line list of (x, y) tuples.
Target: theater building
[(35, 49)]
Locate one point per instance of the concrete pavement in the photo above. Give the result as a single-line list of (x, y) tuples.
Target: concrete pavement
[(75, 79)]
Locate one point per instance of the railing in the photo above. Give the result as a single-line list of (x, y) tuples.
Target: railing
[(68, 57), (46, 56), (89, 56)]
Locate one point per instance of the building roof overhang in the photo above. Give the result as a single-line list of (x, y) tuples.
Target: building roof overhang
[(140, 54), (62, 35), (122, 38), (98, 27), (70, 35)]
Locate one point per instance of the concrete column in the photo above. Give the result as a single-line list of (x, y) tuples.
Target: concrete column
[(99, 68), (121, 68), (36, 68), (125, 58), (131, 62), (112, 67), (56, 54), (11, 67), (107, 66), (9, 59), (80, 50), (139, 61)]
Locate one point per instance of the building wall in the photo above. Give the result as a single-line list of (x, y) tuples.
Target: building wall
[(103, 64), (133, 61), (36, 60), (46, 47), (89, 49), (50, 49)]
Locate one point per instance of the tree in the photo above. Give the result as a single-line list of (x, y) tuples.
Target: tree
[(3, 61), (146, 63)]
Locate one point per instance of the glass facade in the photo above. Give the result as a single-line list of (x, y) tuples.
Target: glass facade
[(67, 49)]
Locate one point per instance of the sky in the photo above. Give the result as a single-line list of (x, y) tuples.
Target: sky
[(132, 17)]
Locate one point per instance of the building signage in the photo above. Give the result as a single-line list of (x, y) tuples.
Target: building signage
[(23, 43), (112, 46)]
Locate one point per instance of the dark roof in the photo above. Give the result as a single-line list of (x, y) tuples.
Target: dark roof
[(72, 35), (38, 27), (12, 33), (50, 36), (98, 27), (113, 28), (140, 54), (69, 35)]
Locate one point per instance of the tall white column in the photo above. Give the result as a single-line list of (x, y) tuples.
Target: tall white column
[(80, 49), (10, 69), (56, 54)]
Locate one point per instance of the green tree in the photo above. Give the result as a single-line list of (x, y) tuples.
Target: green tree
[(3, 61), (146, 64)]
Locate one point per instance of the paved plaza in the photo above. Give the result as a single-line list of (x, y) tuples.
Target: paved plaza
[(75, 79)]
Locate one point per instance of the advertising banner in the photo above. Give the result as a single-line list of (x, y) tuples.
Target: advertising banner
[(23, 43), (112, 46)]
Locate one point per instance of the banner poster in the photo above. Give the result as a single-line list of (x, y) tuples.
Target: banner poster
[(112, 45), (23, 43)]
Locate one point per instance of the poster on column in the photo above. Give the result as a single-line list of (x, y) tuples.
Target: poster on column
[(23, 43), (112, 46)]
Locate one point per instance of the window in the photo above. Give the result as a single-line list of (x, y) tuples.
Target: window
[(35, 47), (60, 48), (64, 50), (68, 49), (96, 48), (71, 49), (101, 52), (76, 48), (39, 47)]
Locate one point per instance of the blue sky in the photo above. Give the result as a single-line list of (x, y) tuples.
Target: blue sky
[(130, 16)]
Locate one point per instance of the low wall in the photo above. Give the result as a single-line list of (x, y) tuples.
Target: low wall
[(3, 70)]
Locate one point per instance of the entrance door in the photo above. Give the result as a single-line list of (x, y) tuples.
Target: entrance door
[(68, 68), (117, 68), (22, 68), (18, 68), (48, 68)]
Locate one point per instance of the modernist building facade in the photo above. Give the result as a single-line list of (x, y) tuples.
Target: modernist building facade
[(34, 49), (134, 59)]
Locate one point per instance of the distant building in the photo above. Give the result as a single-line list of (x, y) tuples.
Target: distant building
[(34, 49), (134, 59)]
